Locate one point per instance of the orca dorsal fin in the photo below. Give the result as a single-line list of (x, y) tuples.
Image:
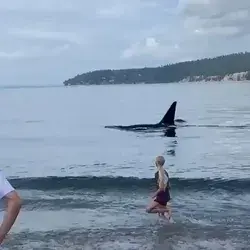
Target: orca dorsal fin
[(170, 115)]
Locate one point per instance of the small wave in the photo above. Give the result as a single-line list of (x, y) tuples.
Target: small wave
[(127, 183), (218, 126)]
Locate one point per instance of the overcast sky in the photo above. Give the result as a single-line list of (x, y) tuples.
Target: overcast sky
[(49, 41)]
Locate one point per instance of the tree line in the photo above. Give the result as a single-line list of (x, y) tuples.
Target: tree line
[(218, 66)]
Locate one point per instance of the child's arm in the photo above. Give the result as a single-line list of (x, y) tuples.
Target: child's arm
[(161, 180), (161, 186)]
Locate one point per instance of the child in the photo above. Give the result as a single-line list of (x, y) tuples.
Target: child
[(162, 196)]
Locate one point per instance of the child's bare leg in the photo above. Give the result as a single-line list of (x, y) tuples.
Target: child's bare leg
[(162, 214), (164, 211), (169, 210), (155, 207)]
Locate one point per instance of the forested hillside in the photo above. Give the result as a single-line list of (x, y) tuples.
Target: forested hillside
[(218, 68)]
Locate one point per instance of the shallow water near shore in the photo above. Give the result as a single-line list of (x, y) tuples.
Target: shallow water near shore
[(86, 187)]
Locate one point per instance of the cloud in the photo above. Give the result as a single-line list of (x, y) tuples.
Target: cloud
[(10, 55), (128, 9), (45, 5), (57, 39), (198, 28), (46, 35), (217, 17), (145, 47), (115, 10), (149, 47), (34, 52)]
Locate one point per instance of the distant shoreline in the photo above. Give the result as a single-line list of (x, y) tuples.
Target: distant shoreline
[(158, 83), (233, 67)]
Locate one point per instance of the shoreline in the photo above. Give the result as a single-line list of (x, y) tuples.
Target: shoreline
[(158, 83)]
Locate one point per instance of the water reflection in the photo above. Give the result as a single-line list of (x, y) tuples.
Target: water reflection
[(171, 144), (170, 132)]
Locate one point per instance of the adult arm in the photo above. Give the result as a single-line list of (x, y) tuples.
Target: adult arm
[(13, 205)]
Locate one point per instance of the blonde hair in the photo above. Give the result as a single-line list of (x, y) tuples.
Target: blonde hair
[(159, 161)]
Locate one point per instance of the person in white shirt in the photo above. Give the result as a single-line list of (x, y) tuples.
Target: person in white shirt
[(13, 205)]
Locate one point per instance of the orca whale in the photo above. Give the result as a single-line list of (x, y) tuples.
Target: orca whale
[(168, 121)]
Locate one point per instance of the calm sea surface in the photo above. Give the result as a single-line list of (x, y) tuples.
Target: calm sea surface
[(86, 187)]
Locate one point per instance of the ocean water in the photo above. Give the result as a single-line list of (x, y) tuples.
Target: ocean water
[(86, 187)]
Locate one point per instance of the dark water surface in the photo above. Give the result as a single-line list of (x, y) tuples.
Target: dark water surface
[(86, 187)]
